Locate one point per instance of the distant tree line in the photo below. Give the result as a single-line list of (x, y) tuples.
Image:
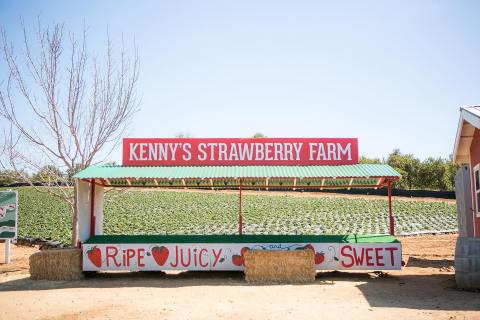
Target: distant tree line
[(429, 174), (43, 176)]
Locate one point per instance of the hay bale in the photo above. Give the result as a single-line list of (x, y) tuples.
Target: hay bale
[(263, 266), (56, 264)]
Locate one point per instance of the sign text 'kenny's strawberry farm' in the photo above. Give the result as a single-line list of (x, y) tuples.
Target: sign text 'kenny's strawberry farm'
[(239, 151)]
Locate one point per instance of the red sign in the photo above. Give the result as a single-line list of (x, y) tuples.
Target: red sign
[(234, 152)]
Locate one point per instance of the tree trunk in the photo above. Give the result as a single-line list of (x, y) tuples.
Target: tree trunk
[(75, 216)]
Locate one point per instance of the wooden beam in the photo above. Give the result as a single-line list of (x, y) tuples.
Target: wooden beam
[(245, 187)]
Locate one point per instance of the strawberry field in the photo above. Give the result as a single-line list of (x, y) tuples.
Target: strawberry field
[(170, 212)]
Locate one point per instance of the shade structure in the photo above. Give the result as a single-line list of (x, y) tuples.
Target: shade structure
[(241, 177), (358, 175)]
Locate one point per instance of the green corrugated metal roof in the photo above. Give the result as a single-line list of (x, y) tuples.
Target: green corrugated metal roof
[(226, 172)]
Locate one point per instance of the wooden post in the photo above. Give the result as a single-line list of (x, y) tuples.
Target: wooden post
[(240, 218), (7, 251), (390, 211), (92, 208)]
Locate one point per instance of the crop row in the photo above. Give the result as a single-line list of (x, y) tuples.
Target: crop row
[(173, 212)]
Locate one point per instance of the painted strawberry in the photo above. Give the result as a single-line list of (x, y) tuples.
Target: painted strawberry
[(95, 256), (244, 249), (319, 257), (160, 254), (237, 260), (309, 246)]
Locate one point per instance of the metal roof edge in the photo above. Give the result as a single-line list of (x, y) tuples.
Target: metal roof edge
[(472, 118), (458, 136), (392, 173)]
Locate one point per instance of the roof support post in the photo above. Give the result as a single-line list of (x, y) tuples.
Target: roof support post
[(266, 184), (184, 184), (323, 183), (240, 218), (350, 183), (92, 208), (390, 211), (211, 183), (294, 183)]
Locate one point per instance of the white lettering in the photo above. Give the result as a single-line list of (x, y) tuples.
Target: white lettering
[(331, 151), (187, 154), (212, 150), (312, 150), (268, 151), (133, 152), (233, 152), (278, 151), (163, 151), (321, 152), (203, 155), (222, 151), (247, 151), (173, 149), (152, 151), (143, 151), (298, 148), (345, 152), (259, 151), (288, 151)]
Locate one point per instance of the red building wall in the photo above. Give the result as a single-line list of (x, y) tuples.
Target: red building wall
[(474, 160)]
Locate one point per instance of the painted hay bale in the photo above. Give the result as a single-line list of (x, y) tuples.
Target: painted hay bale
[(56, 264), (263, 266)]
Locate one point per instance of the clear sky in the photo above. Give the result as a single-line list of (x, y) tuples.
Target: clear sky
[(392, 73)]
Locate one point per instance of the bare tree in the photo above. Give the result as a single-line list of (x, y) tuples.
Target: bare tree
[(65, 107)]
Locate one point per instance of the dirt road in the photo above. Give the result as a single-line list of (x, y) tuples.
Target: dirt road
[(425, 289)]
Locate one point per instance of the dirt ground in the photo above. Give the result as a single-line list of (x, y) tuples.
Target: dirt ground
[(424, 289)]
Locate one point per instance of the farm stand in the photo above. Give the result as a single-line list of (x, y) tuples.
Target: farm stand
[(232, 164), (225, 252)]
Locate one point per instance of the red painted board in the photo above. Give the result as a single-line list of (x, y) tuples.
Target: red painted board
[(239, 151)]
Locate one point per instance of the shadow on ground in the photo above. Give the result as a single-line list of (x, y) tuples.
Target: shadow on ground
[(420, 262), (396, 290), (411, 291)]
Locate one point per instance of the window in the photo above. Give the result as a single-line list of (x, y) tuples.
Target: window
[(476, 173)]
